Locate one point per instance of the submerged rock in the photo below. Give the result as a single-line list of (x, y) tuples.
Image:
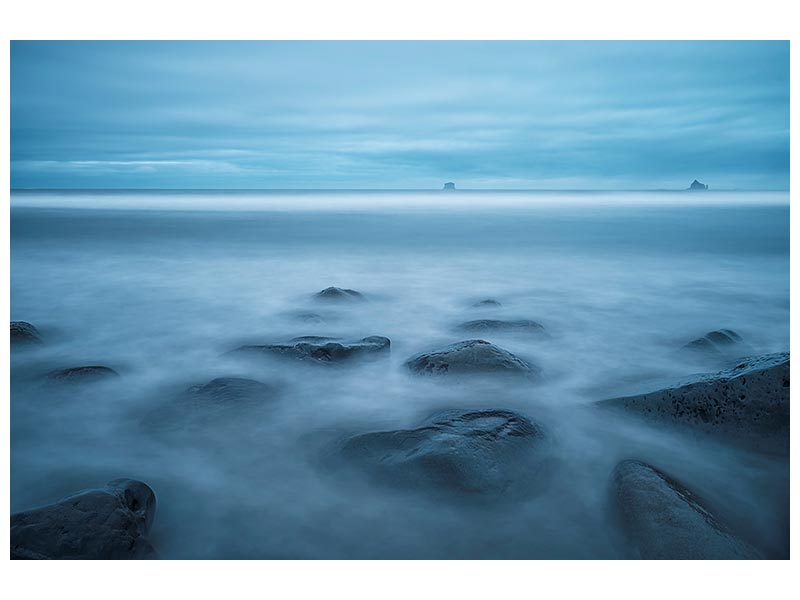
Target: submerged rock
[(525, 326), (204, 404), (665, 520), (339, 295), (748, 404), (308, 317), (322, 350), (476, 451), (487, 303), (470, 357), (23, 334), (724, 343), (108, 523), (87, 374)]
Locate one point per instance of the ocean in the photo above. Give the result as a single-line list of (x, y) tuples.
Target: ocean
[(160, 285)]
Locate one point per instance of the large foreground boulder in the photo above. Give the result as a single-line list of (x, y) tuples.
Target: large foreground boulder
[(88, 374), (108, 523), (335, 294), (470, 357), (24, 334), (664, 520), (205, 404), (322, 350), (474, 451), (520, 326), (747, 404)]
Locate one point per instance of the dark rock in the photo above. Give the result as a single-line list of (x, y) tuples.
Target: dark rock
[(23, 333), (322, 350), (724, 343), (108, 523), (747, 405), (336, 294), (205, 404), (525, 326), (449, 187), (477, 451), (88, 374), (470, 357), (488, 303), (665, 520), (696, 185)]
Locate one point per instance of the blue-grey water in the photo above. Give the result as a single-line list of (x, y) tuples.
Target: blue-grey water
[(159, 285)]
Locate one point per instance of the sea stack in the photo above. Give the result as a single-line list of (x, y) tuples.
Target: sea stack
[(696, 185), (449, 187)]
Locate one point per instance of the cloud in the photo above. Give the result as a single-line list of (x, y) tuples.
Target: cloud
[(399, 114)]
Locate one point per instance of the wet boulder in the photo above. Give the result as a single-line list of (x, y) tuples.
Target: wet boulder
[(88, 374), (720, 344), (205, 404), (493, 452), (24, 334), (470, 357), (665, 520), (747, 404), (322, 350), (108, 523), (335, 294), (521, 326)]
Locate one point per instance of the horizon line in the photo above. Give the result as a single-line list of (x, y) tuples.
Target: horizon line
[(156, 189)]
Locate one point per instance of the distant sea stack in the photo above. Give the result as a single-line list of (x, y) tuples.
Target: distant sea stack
[(449, 187), (696, 185)]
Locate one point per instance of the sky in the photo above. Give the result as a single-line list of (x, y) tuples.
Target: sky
[(399, 115)]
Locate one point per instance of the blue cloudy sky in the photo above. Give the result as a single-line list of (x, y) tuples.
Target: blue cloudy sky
[(493, 115)]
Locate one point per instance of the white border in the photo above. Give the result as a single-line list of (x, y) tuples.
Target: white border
[(412, 19)]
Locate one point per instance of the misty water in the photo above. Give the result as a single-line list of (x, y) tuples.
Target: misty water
[(160, 285)]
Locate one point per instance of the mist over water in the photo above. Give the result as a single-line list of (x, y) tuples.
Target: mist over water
[(159, 286)]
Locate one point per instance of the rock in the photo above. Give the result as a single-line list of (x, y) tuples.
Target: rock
[(664, 520), (470, 357), (204, 404), (449, 187), (724, 343), (336, 294), (696, 185), (476, 451), (309, 317), (525, 326), (23, 333), (88, 374), (747, 405), (108, 523), (488, 303), (322, 350)]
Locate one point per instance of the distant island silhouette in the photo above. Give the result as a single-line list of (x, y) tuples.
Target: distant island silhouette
[(696, 185), (449, 187)]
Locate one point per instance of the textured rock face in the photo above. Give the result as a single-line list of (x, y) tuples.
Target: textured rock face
[(664, 520), (724, 343), (335, 294), (82, 374), (322, 350), (487, 303), (525, 326), (482, 451), (748, 404), (205, 404), (470, 357), (23, 333), (108, 523)]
